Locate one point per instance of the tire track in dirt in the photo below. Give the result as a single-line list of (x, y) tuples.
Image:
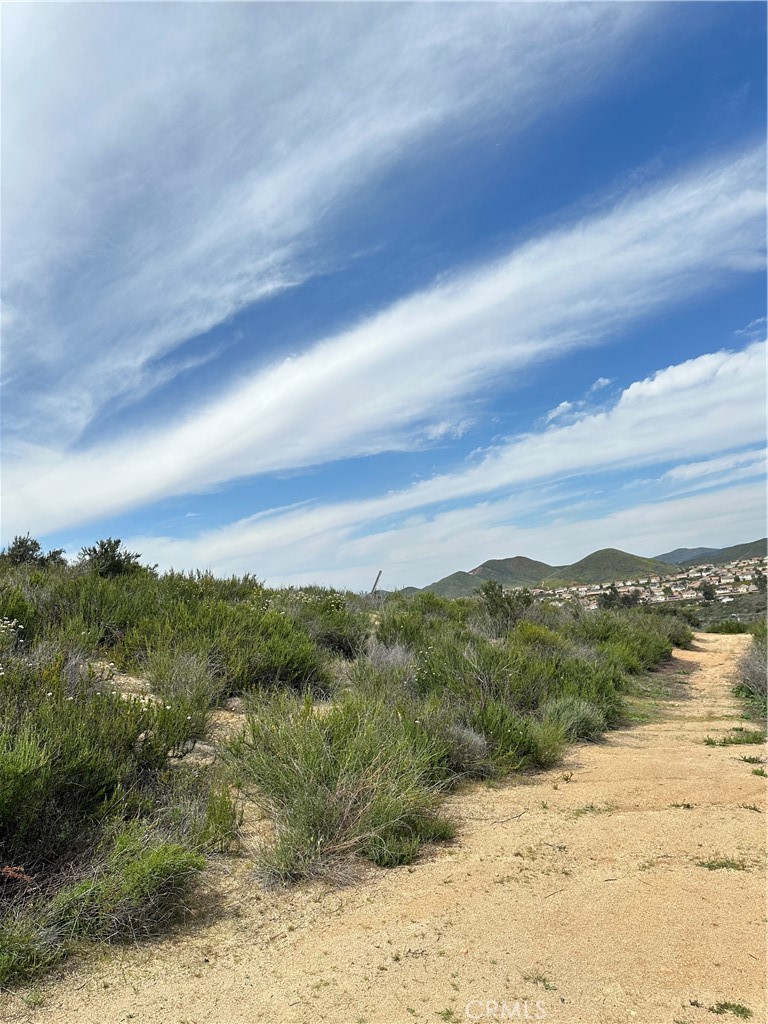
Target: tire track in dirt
[(573, 895)]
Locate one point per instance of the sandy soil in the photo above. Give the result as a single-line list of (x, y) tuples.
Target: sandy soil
[(571, 896)]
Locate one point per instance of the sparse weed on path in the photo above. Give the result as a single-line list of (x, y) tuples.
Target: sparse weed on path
[(737, 736)]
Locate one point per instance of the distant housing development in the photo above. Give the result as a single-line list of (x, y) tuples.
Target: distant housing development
[(722, 583)]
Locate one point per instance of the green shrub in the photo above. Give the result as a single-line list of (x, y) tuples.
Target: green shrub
[(674, 623), (752, 673), (501, 609), (109, 558), (184, 679), (516, 741), (463, 667), (358, 778), (378, 679), (28, 551), (688, 614), (729, 626), (489, 702), (66, 748), (247, 645), (28, 945), (548, 665), (579, 718), (99, 838), (16, 613), (630, 640), (227, 623), (414, 622), (197, 807), (466, 752), (545, 740), (139, 887), (329, 618), (67, 600), (70, 749)]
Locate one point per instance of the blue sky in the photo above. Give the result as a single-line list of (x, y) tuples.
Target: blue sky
[(313, 290)]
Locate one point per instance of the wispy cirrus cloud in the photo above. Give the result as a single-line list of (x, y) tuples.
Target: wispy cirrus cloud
[(423, 548), (571, 288), (558, 412), (412, 531), (750, 461), (203, 154), (713, 403)]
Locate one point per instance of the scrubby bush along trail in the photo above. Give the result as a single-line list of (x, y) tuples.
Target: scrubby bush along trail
[(625, 884), (448, 690), (356, 728), (100, 838), (752, 673)]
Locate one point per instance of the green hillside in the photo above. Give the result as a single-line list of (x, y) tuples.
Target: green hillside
[(606, 566), (458, 584), (685, 555), (514, 572), (754, 549)]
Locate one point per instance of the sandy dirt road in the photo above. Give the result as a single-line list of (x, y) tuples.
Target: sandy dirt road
[(571, 896)]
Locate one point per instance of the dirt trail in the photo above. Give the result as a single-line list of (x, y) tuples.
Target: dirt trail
[(571, 901)]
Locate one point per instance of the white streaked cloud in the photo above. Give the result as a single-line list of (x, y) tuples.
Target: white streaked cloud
[(754, 329), (750, 461), (203, 154), (423, 549), (683, 411), (714, 402), (413, 362), (559, 411), (421, 552)]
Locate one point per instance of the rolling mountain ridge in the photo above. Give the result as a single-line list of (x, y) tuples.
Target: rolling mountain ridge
[(517, 571), (684, 555), (607, 565), (719, 556)]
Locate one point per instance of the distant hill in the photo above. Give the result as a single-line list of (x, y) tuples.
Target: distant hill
[(607, 565), (600, 567), (513, 572), (754, 549), (510, 572), (458, 584), (684, 555)]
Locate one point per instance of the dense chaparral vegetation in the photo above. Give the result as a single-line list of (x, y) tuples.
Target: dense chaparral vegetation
[(361, 713)]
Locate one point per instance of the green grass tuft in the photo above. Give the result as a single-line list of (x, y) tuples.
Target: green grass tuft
[(737, 1009), (739, 736), (722, 864)]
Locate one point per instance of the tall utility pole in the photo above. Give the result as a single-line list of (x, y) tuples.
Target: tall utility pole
[(375, 584)]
